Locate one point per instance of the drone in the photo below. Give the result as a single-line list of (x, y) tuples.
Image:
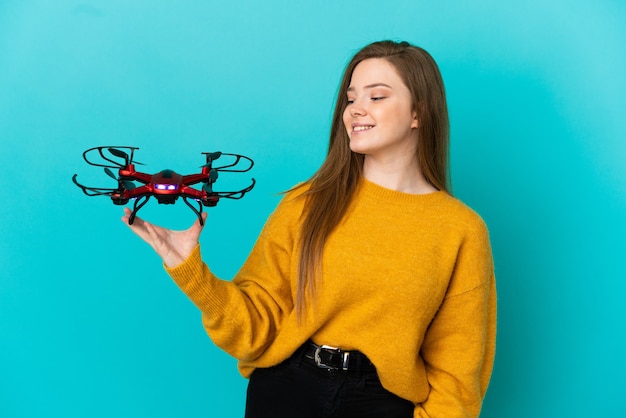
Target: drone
[(166, 185)]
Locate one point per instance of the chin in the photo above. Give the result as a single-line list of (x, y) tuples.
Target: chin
[(359, 148)]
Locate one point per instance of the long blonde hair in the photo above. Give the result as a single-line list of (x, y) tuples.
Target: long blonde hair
[(331, 188)]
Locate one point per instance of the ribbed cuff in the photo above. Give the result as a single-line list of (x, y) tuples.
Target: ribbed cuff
[(188, 270)]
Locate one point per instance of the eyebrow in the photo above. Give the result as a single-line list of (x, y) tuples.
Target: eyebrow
[(371, 86)]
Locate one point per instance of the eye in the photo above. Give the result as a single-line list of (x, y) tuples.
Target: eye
[(377, 98)]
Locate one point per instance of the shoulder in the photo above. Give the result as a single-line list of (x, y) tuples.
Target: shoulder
[(294, 199), (474, 265), (458, 214), (296, 192), (463, 228), (289, 210)]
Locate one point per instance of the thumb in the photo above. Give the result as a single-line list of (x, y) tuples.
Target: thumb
[(198, 226)]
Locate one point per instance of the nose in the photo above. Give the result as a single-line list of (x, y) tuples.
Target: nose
[(357, 110)]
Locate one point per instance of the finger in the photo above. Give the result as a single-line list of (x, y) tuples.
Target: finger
[(152, 237), (161, 240), (193, 232), (126, 218), (138, 226), (126, 215), (197, 227)]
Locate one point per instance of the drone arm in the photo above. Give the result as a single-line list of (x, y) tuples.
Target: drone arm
[(192, 179), (129, 173), (139, 192)]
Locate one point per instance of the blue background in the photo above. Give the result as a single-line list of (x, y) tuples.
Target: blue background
[(90, 324)]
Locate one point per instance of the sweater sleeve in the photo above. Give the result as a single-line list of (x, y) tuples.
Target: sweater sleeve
[(242, 316), (459, 346)]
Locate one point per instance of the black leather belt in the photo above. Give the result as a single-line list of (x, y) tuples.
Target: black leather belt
[(332, 358)]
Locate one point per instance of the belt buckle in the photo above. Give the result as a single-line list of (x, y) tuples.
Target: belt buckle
[(334, 350)]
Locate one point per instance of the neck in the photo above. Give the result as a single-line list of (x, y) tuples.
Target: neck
[(402, 175)]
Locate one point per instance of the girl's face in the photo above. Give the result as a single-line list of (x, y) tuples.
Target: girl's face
[(380, 119)]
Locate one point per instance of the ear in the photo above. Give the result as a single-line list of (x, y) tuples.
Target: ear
[(415, 122)]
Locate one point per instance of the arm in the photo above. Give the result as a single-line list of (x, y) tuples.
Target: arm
[(459, 346), (241, 316)]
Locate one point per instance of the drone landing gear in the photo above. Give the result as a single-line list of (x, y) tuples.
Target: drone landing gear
[(210, 202), (138, 205), (198, 211)]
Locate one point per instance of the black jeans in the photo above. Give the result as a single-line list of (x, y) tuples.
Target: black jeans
[(297, 388)]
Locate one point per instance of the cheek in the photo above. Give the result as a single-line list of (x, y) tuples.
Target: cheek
[(404, 117), (346, 120)]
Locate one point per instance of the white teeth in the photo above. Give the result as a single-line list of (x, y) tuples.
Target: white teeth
[(362, 128)]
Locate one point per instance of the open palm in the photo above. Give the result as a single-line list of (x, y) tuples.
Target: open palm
[(173, 247)]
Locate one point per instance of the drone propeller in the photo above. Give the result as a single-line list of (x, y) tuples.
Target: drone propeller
[(212, 156), (110, 173), (115, 151), (120, 154), (208, 185), (127, 184)]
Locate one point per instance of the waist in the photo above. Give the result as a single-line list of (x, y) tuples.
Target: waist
[(334, 358)]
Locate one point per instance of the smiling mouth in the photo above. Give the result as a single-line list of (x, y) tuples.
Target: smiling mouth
[(362, 128)]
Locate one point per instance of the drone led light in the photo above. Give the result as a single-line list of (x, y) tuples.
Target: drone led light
[(166, 186)]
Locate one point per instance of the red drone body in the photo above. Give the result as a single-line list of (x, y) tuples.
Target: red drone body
[(166, 185)]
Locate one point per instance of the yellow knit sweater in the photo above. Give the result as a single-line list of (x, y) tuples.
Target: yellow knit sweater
[(407, 279)]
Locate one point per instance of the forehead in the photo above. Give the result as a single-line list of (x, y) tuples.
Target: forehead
[(375, 70)]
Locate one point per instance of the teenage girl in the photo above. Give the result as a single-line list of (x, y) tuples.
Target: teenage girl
[(370, 291)]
